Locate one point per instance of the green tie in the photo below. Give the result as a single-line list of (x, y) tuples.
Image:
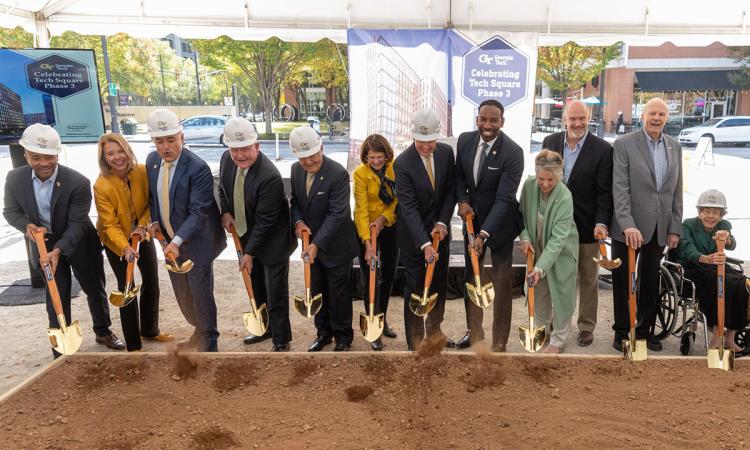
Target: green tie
[(240, 224)]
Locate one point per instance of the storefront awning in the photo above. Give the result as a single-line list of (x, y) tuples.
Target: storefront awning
[(699, 80)]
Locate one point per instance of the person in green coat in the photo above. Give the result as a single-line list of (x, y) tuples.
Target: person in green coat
[(550, 233)]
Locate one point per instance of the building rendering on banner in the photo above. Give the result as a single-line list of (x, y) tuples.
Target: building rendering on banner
[(11, 111)]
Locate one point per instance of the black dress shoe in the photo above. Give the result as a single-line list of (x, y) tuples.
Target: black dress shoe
[(253, 339), (377, 345), (341, 347), (450, 343), (464, 342), (318, 344), (617, 343), (653, 344), (280, 347), (410, 348), (387, 332), (111, 341)]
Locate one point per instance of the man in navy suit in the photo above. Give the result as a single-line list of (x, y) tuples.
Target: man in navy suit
[(424, 182), (320, 205), (183, 207), (489, 166)]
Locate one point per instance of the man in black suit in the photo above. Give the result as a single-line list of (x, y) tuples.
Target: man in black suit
[(249, 184), (424, 183), (47, 195), (489, 166), (320, 205), (587, 172)]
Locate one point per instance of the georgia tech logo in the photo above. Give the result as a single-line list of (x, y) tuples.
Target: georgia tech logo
[(423, 130), (41, 142), (47, 66), (161, 125), (304, 146), (239, 135)]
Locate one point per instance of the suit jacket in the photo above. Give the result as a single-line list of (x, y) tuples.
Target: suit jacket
[(493, 197), (326, 211), (419, 206), (590, 182), (193, 212), (637, 202), (367, 203), (72, 231), (269, 236)]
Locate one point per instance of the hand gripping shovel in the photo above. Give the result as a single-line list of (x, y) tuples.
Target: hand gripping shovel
[(171, 264), (482, 296), (123, 299), (602, 260), (256, 320), (421, 306), (632, 349), (532, 339), (371, 325), (720, 358), (308, 305), (66, 339)]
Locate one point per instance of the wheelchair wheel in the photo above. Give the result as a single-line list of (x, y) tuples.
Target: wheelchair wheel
[(741, 338), (666, 312), (686, 342)]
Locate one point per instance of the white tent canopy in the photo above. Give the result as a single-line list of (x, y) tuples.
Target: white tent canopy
[(588, 22)]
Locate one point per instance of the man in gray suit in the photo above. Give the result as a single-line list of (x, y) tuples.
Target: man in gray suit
[(647, 192)]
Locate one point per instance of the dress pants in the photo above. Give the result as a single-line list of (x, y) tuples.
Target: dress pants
[(502, 306), (588, 286), (648, 292), (547, 314), (271, 287), (386, 274), (334, 320), (141, 316), (415, 269)]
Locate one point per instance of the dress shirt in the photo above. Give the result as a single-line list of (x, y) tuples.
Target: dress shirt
[(176, 239), (43, 196), (570, 155), (659, 152)]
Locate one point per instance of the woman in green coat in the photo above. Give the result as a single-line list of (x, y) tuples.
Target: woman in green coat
[(550, 233)]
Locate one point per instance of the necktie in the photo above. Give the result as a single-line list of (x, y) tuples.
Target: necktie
[(428, 165), (240, 223), (309, 182), (482, 157), (165, 199)]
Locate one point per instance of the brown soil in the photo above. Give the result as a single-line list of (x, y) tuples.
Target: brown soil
[(377, 401)]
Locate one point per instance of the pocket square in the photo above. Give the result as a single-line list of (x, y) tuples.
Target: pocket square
[(492, 168), (320, 193)]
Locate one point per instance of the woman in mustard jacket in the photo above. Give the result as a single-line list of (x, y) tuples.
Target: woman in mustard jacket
[(121, 197), (375, 203)]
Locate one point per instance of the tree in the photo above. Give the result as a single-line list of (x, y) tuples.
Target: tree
[(571, 66), (16, 38), (741, 76)]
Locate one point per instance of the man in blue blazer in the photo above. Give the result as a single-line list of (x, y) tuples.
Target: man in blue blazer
[(184, 209)]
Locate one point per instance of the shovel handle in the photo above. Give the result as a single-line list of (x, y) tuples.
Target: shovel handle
[(134, 242), (431, 266), (530, 289), (373, 264), (720, 284), (305, 244), (469, 218), (169, 256), (631, 286), (602, 249), (48, 275), (245, 276)]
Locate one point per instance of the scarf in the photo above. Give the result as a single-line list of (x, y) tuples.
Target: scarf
[(387, 186)]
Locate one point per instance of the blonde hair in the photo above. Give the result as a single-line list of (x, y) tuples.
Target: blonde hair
[(119, 140), (550, 161)]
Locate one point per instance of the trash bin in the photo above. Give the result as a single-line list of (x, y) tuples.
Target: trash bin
[(128, 126)]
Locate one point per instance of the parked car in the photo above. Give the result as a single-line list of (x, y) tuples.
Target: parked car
[(204, 129), (724, 130)]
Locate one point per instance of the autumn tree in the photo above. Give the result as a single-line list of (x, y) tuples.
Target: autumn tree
[(741, 76), (570, 66)]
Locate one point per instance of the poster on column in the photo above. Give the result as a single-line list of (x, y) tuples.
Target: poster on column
[(393, 73)]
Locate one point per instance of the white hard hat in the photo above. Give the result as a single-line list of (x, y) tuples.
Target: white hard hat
[(239, 132), (712, 198), (425, 126), (38, 138), (304, 141), (163, 122)]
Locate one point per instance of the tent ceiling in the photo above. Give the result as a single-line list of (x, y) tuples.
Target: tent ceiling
[(589, 22)]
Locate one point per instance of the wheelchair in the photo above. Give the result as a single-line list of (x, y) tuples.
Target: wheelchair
[(677, 304)]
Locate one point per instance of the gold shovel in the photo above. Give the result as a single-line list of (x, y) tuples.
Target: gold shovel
[(632, 349), (602, 260), (532, 339), (308, 305), (482, 296), (171, 264), (371, 325), (256, 320), (66, 339), (422, 305), (123, 299), (720, 358)]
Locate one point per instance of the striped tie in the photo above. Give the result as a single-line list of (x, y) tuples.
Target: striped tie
[(240, 223)]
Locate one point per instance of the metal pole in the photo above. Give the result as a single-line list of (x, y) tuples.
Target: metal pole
[(110, 98), (163, 85), (197, 79), (278, 154)]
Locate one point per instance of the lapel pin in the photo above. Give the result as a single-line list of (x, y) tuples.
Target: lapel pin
[(321, 178), (494, 152), (58, 184), (154, 166)]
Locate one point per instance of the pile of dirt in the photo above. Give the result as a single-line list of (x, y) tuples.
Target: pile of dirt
[(214, 438)]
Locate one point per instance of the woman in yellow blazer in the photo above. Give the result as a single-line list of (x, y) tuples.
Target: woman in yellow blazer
[(121, 197), (375, 203)]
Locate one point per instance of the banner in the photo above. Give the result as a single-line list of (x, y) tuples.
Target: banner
[(50, 86), (393, 73)]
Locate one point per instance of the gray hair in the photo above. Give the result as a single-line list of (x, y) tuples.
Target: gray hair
[(550, 161)]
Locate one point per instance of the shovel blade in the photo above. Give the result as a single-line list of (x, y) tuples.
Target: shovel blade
[(634, 350), (532, 339), (179, 268), (66, 342), (371, 329), (720, 359), (308, 308), (482, 297), (421, 306), (256, 320)]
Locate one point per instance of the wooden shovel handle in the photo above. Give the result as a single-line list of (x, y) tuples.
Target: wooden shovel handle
[(134, 243), (373, 267), (163, 242), (720, 285), (602, 249), (245, 276), (631, 286), (305, 244), (469, 218), (530, 289), (431, 266), (48, 275)]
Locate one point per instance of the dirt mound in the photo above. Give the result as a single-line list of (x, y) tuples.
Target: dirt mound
[(380, 369), (232, 374), (183, 366), (358, 392), (484, 371), (109, 371), (302, 370), (540, 371), (214, 438)]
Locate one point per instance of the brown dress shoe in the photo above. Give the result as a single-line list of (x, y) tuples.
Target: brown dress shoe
[(585, 338), (161, 337), (498, 348), (111, 341)]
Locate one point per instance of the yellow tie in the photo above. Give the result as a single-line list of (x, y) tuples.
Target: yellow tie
[(240, 223), (309, 182), (428, 164), (165, 198)]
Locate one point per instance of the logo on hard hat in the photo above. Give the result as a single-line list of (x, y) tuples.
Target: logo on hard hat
[(239, 135), (304, 146), (423, 130), (711, 198), (41, 142), (161, 125)]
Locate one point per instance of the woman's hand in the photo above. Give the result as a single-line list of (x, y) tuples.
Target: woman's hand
[(721, 235), (534, 277), (526, 247), (129, 254), (379, 222)]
